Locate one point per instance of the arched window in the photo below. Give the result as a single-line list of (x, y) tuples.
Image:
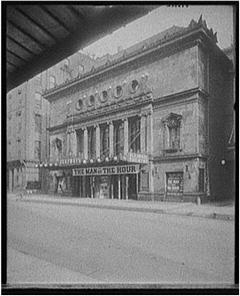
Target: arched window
[(52, 81), (172, 126)]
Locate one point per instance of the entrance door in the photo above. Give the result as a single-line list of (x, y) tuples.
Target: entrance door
[(132, 186), (104, 187)]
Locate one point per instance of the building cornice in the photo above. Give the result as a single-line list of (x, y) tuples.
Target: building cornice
[(184, 95)]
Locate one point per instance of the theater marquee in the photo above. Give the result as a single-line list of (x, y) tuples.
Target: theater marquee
[(110, 170)]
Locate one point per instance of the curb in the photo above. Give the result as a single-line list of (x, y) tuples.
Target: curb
[(213, 215)]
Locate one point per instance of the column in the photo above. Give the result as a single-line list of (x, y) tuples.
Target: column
[(74, 142), (126, 187), (119, 187), (110, 138), (150, 133), (125, 149), (151, 185), (97, 140), (143, 134), (85, 140), (10, 180), (68, 144)]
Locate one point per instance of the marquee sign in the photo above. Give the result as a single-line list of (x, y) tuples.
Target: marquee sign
[(108, 170)]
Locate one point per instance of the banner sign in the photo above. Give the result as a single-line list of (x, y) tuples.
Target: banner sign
[(175, 183), (137, 157), (110, 170)]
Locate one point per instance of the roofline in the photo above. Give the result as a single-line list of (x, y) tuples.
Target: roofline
[(133, 56)]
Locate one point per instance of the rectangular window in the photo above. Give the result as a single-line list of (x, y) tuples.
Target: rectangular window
[(118, 138), (91, 142), (38, 101), (80, 140), (104, 140), (37, 150), (175, 183), (174, 137), (38, 123), (134, 129), (201, 180)]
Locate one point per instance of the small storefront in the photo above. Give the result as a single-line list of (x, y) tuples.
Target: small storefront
[(108, 182)]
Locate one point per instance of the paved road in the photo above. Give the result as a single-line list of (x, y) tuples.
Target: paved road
[(120, 246)]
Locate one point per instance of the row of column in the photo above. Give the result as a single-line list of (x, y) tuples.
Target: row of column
[(146, 137)]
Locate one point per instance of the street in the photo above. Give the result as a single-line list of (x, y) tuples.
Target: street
[(101, 245)]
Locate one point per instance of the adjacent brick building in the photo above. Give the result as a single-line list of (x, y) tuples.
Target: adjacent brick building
[(28, 119)]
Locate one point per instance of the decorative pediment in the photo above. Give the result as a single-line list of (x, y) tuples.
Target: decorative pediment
[(172, 120)]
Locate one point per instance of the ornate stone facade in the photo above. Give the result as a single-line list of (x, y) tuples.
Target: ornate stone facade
[(158, 105)]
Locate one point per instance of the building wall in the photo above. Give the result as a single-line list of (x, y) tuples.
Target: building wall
[(189, 129), (15, 123), (219, 95), (161, 79)]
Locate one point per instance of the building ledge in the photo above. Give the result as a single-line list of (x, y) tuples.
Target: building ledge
[(178, 157)]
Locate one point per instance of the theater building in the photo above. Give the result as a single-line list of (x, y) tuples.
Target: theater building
[(145, 123)]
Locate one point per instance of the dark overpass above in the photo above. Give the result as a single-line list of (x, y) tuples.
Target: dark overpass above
[(39, 36)]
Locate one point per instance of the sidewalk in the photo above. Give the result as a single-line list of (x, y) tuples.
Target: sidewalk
[(210, 210)]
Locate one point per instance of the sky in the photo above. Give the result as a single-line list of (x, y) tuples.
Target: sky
[(218, 17)]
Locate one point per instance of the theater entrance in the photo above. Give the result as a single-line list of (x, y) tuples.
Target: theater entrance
[(112, 182)]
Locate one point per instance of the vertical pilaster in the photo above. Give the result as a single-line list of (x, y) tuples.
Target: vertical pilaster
[(151, 185), (150, 133), (110, 138), (97, 141), (143, 134), (125, 149), (85, 140)]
